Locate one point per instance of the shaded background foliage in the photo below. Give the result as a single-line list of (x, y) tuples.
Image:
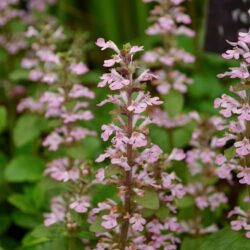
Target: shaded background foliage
[(24, 192)]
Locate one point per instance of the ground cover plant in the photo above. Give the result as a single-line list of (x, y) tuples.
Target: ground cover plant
[(119, 131)]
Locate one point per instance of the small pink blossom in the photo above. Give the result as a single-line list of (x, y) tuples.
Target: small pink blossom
[(177, 155), (105, 45), (244, 175), (243, 147), (80, 204), (137, 222), (109, 221), (79, 68)]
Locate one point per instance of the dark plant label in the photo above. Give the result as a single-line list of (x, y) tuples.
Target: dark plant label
[(225, 19)]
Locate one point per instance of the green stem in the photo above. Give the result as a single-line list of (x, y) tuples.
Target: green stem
[(72, 241)]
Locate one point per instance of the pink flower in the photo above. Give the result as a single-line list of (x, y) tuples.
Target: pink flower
[(122, 161), (244, 175), (49, 78), (241, 72), (224, 172), (177, 155), (138, 140), (78, 91), (53, 141), (35, 75), (243, 147), (112, 62), (142, 101), (109, 221), (201, 202), (166, 23), (135, 49), (100, 175), (28, 63), (58, 212), (79, 68), (216, 199), (244, 112), (105, 45), (228, 104), (230, 54), (150, 155), (80, 204), (137, 222), (239, 224), (244, 37), (31, 32), (146, 76), (60, 170), (108, 130), (47, 55), (178, 191), (114, 79), (172, 224)]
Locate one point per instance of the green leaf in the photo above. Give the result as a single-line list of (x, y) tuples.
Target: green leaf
[(162, 212), (187, 201), (22, 202), (18, 74), (160, 137), (28, 128), (112, 170), (226, 239), (4, 222), (86, 235), (173, 102), (102, 192), (87, 149), (25, 220), (3, 118), (149, 200), (191, 243), (230, 153), (96, 226), (42, 234), (205, 84), (24, 168), (182, 137)]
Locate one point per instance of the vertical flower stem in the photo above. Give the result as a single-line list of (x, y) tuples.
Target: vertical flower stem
[(128, 178), (248, 128), (72, 241)]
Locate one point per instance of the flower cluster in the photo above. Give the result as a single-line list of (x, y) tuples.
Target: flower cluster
[(9, 14), (202, 189), (136, 166), (237, 131), (42, 61), (169, 21), (65, 102)]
